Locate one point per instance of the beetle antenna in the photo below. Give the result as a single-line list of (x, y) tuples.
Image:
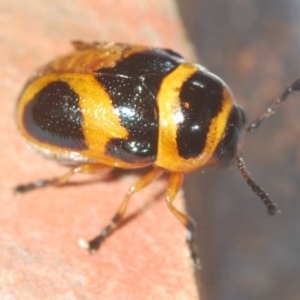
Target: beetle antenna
[(295, 87), (263, 195)]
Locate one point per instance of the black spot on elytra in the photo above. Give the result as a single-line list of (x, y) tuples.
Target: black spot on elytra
[(53, 116), (133, 85)]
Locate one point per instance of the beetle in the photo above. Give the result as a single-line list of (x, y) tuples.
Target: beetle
[(129, 106)]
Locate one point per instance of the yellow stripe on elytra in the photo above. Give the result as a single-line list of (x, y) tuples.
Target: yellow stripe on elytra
[(169, 116), (100, 123), (218, 125)]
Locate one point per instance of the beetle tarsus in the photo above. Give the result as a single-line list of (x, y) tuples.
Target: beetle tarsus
[(27, 187), (190, 239)]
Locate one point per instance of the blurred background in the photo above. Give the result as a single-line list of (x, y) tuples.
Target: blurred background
[(254, 47), (246, 254)]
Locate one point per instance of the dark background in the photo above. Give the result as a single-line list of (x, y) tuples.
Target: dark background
[(246, 254)]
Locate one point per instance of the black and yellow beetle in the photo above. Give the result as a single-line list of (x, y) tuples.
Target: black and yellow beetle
[(128, 106)]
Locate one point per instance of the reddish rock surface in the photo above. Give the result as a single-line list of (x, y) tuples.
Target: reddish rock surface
[(39, 254)]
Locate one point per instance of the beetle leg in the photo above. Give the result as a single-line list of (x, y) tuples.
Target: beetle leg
[(175, 183), (96, 242), (58, 181)]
